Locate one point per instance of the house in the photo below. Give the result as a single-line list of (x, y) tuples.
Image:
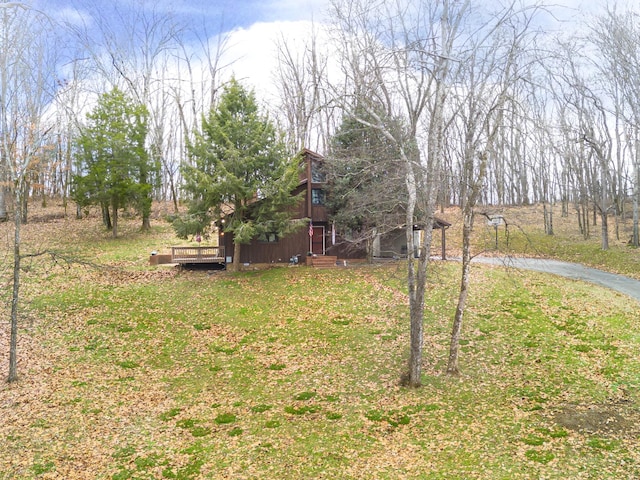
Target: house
[(317, 238), (394, 243)]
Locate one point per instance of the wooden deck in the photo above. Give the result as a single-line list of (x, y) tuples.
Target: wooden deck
[(193, 255)]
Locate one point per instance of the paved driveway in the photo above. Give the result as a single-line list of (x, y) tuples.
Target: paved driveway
[(620, 283)]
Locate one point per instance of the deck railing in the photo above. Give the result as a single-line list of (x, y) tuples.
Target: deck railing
[(197, 254)]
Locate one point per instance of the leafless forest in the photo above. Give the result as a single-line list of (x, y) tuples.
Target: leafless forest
[(500, 106)]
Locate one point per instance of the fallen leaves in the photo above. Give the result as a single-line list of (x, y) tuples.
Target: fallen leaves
[(130, 371)]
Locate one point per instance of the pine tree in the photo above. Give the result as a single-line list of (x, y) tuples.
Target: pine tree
[(364, 180), (241, 172), (115, 168)]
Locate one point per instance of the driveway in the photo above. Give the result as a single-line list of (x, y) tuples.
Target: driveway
[(619, 283)]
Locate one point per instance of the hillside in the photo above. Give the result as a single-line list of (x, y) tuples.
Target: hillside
[(129, 371), (522, 234)]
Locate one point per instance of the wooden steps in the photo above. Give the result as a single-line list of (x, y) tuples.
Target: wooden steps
[(322, 261)]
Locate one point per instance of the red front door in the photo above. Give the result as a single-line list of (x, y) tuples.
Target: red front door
[(317, 241)]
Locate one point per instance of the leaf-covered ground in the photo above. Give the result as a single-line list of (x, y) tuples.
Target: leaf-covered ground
[(136, 372)]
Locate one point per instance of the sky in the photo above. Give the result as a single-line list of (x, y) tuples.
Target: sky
[(232, 14), (256, 24), (217, 14)]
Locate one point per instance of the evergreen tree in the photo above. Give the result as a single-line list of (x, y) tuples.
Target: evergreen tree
[(364, 180), (115, 166), (241, 172)]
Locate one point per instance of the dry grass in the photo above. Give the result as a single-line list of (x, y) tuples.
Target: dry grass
[(129, 371), (526, 237)]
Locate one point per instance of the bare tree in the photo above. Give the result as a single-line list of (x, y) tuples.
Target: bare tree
[(586, 125), (69, 102), (135, 49), (487, 76), (301, 73), (194, 91), (595, 91), (596, 135), (27, 70), (616, 37), (399, 57)]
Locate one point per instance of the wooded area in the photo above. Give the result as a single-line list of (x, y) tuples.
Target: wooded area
[(564, 106), (419, 104), (461, 107)]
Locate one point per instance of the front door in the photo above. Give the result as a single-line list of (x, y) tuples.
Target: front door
[(317, 241)]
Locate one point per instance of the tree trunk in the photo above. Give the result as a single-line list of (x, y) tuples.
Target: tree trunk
[(145, 207), (635, 239), (416, 293), (235, 265), (605, 230), (106, 216), (548, 217), (174, 194), (585, 221), (3, 205), (454, 348), (114, 228), (13, 341), (24, 197)]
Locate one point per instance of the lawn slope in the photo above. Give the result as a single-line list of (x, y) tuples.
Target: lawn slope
[(136, 372)]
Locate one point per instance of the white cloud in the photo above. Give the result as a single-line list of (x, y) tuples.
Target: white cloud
[(253, 53)]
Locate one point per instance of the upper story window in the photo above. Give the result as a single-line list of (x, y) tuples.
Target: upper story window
[(317, 175), (318, 196)]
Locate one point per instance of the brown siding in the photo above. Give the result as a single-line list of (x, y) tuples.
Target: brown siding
[(278, 252), (319, 214), (296, 243)]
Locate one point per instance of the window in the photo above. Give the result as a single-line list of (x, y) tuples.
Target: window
[(317, 196), (317, 175), (268, 238)]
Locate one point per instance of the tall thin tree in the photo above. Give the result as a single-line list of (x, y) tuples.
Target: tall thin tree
[(27, 81), (399, 57)]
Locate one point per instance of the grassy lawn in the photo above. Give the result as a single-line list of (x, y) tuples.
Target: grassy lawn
[(137, 372)]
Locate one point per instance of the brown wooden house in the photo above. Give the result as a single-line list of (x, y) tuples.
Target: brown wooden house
[(317, 237), (314, 238)]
